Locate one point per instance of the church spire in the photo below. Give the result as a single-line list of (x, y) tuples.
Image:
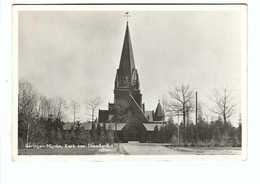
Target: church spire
[(127, 63), (127, 79)]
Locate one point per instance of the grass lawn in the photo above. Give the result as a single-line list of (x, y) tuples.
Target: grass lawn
[(71, 151), (208, 150), (134, 149)]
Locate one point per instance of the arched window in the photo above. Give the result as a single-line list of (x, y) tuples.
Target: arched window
[(134, 78), (126, 78)]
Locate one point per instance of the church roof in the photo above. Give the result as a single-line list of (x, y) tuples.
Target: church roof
[(115, 126), (112, 126), (127, 63), (159, 110), (151, 126), (88, 126), (149, 115), (137, 109), (103, 115)]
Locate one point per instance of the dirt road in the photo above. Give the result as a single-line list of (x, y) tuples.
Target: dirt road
[(136, 148)]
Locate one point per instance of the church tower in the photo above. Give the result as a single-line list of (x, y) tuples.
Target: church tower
[(127, 79), (127, 115)]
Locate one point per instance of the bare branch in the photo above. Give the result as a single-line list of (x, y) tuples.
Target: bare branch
[(60, 106), (93, 104), (223, 101), (75, 108), (183, 101)]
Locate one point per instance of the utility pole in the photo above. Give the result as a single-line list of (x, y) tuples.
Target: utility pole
[(196, 117)]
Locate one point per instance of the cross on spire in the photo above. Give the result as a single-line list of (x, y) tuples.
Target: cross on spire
[(127, 15)]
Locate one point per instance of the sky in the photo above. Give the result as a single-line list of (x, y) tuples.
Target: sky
[(75, 54)]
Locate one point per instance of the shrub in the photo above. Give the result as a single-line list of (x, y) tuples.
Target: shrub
[(174, 140)]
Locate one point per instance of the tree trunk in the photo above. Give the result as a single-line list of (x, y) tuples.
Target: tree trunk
[(225, 124), (92, 116), (225, 119), (74, 117), (27, 137), (184, 125)]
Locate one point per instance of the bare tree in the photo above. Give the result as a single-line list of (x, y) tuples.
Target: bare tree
[(47, 107), (93, 104), (60, 106), (41, 106), (75, 108), (165, 106), (27, 99), (224, 103), (183, 103)]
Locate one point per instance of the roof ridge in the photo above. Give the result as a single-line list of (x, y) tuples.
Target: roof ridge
[(132, 98)]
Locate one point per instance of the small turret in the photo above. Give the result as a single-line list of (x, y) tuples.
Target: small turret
[(158, 115)]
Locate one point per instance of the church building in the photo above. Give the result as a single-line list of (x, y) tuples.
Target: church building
[(127, 115)]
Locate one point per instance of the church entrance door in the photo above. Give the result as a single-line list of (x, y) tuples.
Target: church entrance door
[(131, 133), (133, 137)]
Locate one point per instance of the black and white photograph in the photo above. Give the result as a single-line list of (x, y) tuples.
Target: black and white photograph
[(116, 81)]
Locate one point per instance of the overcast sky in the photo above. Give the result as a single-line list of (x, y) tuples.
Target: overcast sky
[(76, 54)]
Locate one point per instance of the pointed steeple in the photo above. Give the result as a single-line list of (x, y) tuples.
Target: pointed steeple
[(159, 110), (127, 79), (127, 63)]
